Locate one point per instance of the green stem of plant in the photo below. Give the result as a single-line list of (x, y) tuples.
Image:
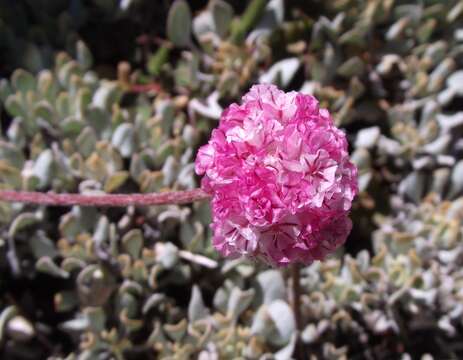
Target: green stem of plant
[(251, 16)]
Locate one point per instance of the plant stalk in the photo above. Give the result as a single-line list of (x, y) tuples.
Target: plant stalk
[(296, 305), (106, 200)]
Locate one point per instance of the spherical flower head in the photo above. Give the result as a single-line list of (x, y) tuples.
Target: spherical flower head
[(280, 178)]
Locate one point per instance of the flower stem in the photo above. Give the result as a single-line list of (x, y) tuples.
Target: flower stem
[(108, 200), (296, 305)]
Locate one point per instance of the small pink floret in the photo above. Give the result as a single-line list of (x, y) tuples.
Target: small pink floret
[(281, 179)]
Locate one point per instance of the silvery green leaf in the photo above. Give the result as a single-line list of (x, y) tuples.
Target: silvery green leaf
[(176, 331), (367, 138), (23, 221), (20, 329), (77, 325), (436, 51), (413, 186), (445, 160), (440, 179), (63, 104), (123, 139), (310, 334), (282, 72), (356, 36), (6, 314), (438, 146), (12, 154), (271, 18), (137, 167), (179, 23), (445, 324), (455, 12), (439, 74), (71, 264), (446, 96), (211, 109), (67, 71), (287, 352), (71, 126), (196, 308), (46, 265), (43, 110), (220, 300), (174, 213), (389, 146), (47, 85), (115, 181), (203, 24), (186, 177), (309, 87), (422, 163), (261, 323), (65, 301), (106, 95), (96, 318), (133, 243), (69, 225), (99, 120), (190, 135), (283, 318), (379, 322), (450, 122), (238, 302), (166, 254), (272, 285), (364, 180), (43, 168), (361, 157), (166, 110), (153, 302), (16, 132), (170, 170), (458, 35), (84, 56), (222, 14), (456, 180), (396, 30), (352, 67), (387, 63), (41, 246), (86, 141), (14, 106), (23, 81), (5, 90), (454, 81)]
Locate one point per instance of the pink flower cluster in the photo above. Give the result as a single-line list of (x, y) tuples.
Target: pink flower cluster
[(281, 179)]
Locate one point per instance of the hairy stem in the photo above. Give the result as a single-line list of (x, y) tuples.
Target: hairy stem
[(109, 200)]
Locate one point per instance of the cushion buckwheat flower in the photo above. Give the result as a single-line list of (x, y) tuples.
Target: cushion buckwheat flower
[(281, 180)]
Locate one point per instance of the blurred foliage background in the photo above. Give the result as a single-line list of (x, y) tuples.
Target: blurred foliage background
[(116, 96)]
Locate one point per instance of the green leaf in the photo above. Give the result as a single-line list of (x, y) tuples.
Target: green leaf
[(238, 302), (222, 14), (179, 23), (22, 222), (133, 243), (5, 90), (84, 56), (196, 308), (14, 106), (23, 81), (123, 139), (46, 265)]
